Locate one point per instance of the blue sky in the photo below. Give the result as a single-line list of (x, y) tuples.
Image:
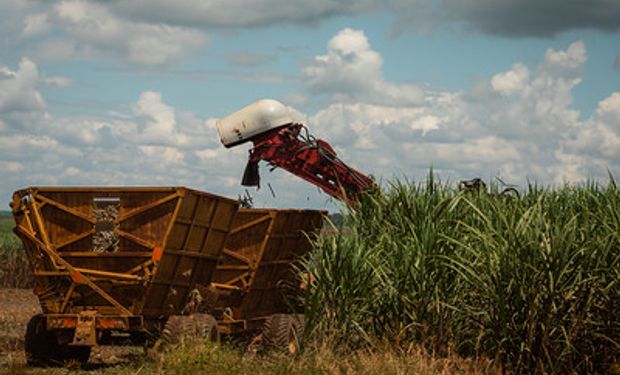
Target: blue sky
[(127, 93)]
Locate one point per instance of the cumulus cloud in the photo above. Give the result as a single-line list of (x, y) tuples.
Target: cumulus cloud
[(566, 63), (132, 150), (517, 124), (351, 71), (511, 81), (22, 106), (157, 122), (18, 89), (598, 138), (150, 143)]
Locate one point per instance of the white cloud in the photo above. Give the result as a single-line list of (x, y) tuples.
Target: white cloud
[(157, 120), (517, 124), (93, 26), (57, 49), (72, 171), (169, 155), (159, 32), (36, 24), (609, 109), (351, 71), (426, 124), (511, 81), (10, 167), (207, 154), (18, 91), (151, 144), (22, 106), (598, 138), (34, 147), (566, 63)]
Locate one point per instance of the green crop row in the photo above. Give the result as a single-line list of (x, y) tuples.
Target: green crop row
[(14, 268), (530, 282)]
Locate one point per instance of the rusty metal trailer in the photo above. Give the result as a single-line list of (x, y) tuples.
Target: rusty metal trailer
[(112, 264), (255, 278)]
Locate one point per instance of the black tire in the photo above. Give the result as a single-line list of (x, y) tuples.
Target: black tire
[(205, 326), (42, 347), (184, 328), (283, 332)]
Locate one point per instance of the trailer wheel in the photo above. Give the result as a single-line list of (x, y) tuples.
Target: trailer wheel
[(42, 347), (181, 328), (206, 327), (283, 332)]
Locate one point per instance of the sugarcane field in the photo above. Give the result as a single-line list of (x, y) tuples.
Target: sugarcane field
[(465, 292), (332, 187)]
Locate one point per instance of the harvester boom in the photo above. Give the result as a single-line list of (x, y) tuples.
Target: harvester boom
[(282, 143), (294, 150)]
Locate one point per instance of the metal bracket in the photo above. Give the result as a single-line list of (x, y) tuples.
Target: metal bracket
[(85, 332)]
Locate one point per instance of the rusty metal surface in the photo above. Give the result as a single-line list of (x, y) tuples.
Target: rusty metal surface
[(85, 332), (164, 240), (255, 272)]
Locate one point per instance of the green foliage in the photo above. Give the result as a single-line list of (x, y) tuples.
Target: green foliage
[(531, 282), (14, 268), (6, 223)]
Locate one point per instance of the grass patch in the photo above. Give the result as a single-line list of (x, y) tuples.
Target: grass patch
[(224, 359), (210, 358), (15, 270), (532, 283)]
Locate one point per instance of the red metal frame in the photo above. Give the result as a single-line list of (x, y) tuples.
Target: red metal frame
[(314, 160)]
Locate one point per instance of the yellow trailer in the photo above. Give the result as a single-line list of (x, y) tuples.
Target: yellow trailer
[(113, 264)]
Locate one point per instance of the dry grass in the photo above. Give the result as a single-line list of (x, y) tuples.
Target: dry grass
[(16, 308), (209, 358), (322, 359), (18, 305)]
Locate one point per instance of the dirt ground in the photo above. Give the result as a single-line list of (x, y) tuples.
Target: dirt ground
[(16, 308)]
